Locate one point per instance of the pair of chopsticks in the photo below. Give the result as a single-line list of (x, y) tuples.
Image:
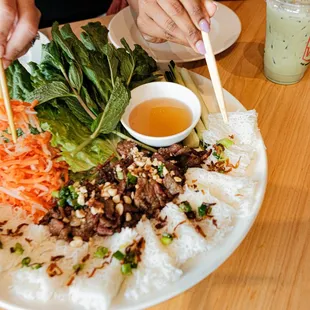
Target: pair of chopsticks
[(4, 93), (214, 74)]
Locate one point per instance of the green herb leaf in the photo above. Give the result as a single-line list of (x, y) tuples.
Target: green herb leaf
[(75, 77), (19, 132), (95, 36), (101, 252), (33, 130), (49, 91), (110, 51), (26, 261), (119, 255), (18, 80), (113, 112)]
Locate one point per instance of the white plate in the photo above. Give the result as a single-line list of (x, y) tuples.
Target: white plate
[(225, 30), (34, 54), (196, 269)]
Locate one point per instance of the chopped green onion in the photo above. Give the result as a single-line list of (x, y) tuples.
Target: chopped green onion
[(166, 239), (18, 249), (131, 179), (185, 207), (78, 267), (36, 266), (219, 156), (204, 209), (227, 143), (6, 140), (161, 170), (101, 252), (126, 269), (120, 175), (19, 132), (119, 255), (26, 261), (73, 193), (55, 194), (61, 202)]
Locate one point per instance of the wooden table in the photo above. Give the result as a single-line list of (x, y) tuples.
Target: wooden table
[(271, 268)]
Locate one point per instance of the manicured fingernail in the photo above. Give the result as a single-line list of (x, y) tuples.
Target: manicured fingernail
[(1, 51), (200, 47), (211, 7), (204, 25)]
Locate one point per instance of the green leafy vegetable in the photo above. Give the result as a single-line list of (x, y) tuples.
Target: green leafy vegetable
[(160, 170), (33, 130), (75, 76), (19, 132)]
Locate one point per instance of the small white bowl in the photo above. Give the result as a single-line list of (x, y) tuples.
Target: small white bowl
[(162, 90)]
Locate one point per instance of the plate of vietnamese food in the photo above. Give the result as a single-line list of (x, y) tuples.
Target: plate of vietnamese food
[(90, 217), (225, 30)]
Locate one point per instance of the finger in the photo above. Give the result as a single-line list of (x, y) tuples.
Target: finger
[(151, 32), (8, 12), (159, 16), (211, 7), (177, 12), (197, 13), (25, 30)]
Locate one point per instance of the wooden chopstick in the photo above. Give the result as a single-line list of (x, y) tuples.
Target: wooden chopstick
[(7, 103), (215, 77)]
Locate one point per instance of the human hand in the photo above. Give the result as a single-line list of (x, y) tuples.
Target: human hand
[(19, 22), (179, 21)]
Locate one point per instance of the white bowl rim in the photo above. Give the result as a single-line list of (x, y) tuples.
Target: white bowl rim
[(194, 121)]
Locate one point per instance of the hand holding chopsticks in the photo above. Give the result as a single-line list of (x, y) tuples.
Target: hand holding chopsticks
[(4, 93), (215, 77)]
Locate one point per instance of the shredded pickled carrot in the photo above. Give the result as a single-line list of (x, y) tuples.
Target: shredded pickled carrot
[(29, 170)]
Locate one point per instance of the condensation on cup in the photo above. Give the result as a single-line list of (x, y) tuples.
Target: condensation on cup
[(287, 47)]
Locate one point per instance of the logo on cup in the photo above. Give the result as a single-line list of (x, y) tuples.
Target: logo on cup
[(306, 56)]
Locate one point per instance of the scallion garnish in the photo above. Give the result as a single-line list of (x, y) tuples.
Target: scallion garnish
[(160, 170), (126, 269), (18, 249), (119, 255), (55, 194), (19, 132), (101, 252), (166, 239), (185, 207), (131, 179), (78, 267), (227, 143), (205, 209), (36, 266), (26, 261)]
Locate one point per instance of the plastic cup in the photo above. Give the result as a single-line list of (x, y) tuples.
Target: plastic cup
[(287, 47)]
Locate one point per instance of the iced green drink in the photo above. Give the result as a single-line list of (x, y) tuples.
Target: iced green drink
[(287, 48)]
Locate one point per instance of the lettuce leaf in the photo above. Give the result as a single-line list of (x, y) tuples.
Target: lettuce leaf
[(68, 133)]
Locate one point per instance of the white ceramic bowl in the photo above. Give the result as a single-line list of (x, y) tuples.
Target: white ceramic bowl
[(162, 90)]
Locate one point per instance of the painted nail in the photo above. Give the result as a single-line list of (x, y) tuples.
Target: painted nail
[(1, 50), (211, 7), (200, 47), (204, 25)]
